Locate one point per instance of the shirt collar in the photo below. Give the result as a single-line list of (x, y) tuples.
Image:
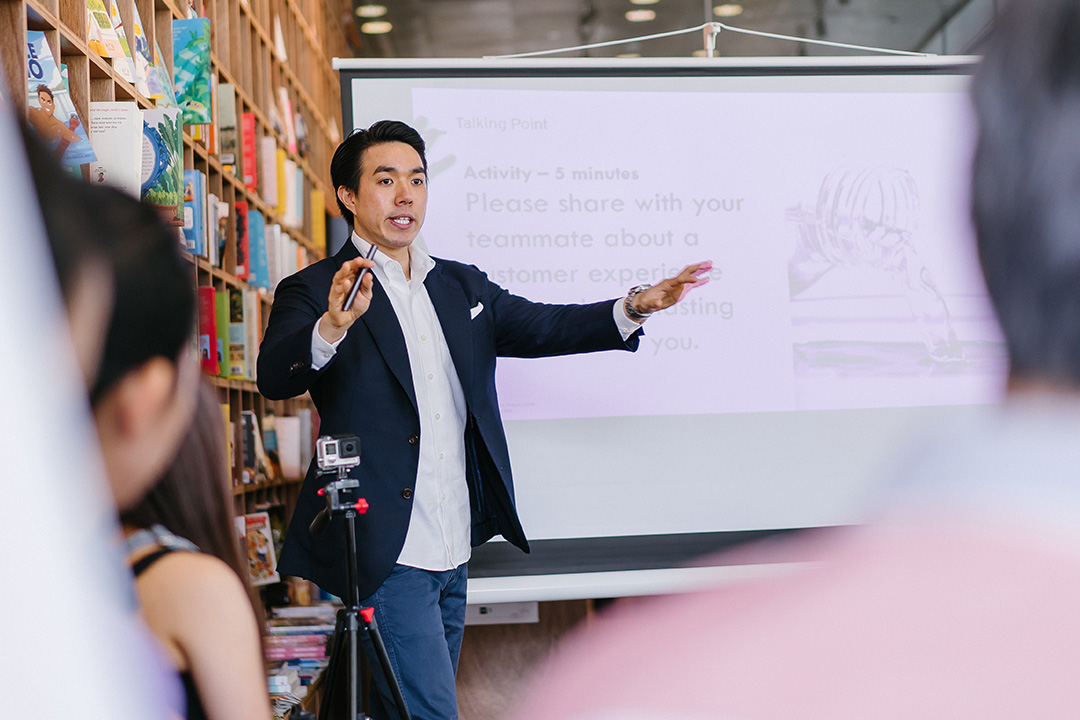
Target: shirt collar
[(419, 261)]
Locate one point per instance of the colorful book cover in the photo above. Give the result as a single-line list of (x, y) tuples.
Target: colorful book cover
[(163, 163), (221, 323), (101, 37), (259, 541), (161, 84), (191, 69), (141, 54), (116, 135), (208, 357), (249, 148), (222, 231), (243, 244), (282, 201), (52, 114), (124, 65), (195, 202), (258, 270), (237, 335)]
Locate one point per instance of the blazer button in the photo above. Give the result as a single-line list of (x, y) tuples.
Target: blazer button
[(407, 493), (413, 439)]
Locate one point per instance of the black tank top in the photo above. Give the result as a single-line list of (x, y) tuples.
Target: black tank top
[(195, 709)]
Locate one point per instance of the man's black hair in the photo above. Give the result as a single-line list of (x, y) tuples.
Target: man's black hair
[(346, 166)]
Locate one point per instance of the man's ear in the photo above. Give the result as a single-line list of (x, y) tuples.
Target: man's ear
[(347, 198), (142, 395)]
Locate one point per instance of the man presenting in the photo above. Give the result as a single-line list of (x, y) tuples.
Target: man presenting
[(409, 368)]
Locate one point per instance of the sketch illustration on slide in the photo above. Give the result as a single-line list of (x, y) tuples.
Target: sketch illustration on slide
[(864, 222)]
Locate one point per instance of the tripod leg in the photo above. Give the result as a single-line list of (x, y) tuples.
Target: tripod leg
[(367, 617), (337, 670)]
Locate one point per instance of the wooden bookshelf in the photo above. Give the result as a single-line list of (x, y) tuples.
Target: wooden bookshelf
[(246, 46)]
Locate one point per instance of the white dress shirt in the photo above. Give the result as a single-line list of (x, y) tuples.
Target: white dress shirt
[(440, 526)]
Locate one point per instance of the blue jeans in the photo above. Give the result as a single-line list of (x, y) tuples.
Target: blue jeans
[(421, 617)]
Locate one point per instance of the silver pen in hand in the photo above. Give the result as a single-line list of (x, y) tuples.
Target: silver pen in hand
[(359, 276)]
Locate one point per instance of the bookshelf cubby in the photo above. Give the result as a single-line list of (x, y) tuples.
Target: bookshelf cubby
[(264, 49)]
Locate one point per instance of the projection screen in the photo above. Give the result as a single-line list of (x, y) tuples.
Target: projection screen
[(845, 314)]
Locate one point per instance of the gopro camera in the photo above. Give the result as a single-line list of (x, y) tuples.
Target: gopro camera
[(337, 451)]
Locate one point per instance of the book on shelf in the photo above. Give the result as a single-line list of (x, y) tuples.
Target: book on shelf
[(295, 652), (125, 64), (195, 212), (51, 112), (207, 320), (279, 41), (238, 336), (318, 219), (259, 543), (269, 174), (163, 163), (191, 69), (288, 121), (291, 215), (248, 151), (221, 324), (226, 423), (161, 83), (217, 229), (243, 238), (308, 431), (253, 323), (228, 132), (258, 270), (100, 34), (141, 54), (255, 465), (297, 640), (281, 160), (116, 134), (288, 440), (303, 141)]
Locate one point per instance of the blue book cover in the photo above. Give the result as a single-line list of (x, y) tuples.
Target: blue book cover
[(260, 270), (195, 212), (52, 114), (163, 163), (191, 69)]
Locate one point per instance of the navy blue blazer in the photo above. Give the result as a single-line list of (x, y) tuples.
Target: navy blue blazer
[(367, 390)]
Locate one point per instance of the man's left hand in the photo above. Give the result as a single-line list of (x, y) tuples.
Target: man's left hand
[(670, 291)]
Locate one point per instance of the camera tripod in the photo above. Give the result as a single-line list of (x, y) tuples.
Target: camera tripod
[(352, 620)]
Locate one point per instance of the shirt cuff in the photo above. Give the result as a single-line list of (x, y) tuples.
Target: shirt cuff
[(322, 351), (627, 327)]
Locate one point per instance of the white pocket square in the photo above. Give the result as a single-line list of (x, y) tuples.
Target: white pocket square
[(476, 311)]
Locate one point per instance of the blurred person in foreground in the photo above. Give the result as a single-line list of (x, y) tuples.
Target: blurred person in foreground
[(960, 599), (130, 303), (192, 580)]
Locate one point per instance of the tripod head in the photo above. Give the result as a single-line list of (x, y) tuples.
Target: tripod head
[(337, 455)]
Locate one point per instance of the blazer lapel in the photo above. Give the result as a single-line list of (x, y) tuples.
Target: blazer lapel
[(381, 321), (452, 307)]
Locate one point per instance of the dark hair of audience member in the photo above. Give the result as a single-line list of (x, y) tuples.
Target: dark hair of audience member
[(193, 499), (1026, 185)]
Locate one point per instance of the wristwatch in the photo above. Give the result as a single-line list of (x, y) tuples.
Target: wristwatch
[(628, 303)]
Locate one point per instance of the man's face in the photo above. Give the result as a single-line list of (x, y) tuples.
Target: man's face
[(45, 102), (391, 199)]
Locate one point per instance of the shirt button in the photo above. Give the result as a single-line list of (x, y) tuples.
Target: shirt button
[(407, 493), (437, 416), (444, 496), (430, 376), (423, 337), (413, 439), (441, 456)]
